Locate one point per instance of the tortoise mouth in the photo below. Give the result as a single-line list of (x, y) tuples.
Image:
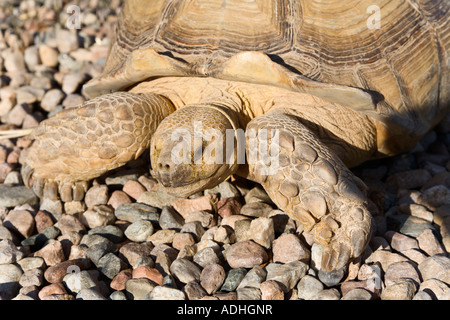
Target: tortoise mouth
[(187, 190)]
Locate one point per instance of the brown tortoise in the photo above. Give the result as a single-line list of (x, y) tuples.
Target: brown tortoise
[(334, 91)]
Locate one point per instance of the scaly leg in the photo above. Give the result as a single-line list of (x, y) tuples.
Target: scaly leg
[(79, 144), (313, 186)]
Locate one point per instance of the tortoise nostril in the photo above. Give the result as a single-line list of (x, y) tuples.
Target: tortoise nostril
[(167, 167)]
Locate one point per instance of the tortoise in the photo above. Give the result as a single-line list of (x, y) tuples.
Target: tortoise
[(315, 79)]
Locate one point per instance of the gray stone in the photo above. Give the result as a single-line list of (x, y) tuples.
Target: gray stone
[(32, 277), (233, 279), (422, 295), (37, 241), (9, 281), (138, 289), (158, 199), (139, 231), (9, 252), (308, 287), (253, 278), (166, 293), (170, 219), (357, 294), (287, 274), (246, 254), (78, 281), (118, 295), (437, 289), (110, 232), (332, 278), (98, 250), (437, 267), (408, 225), (89, 294), (185, 270), (195, 228), (248, 293), (256, 209), (132, 212), (328, 294), (402, 289), (206, 256), (12, 196), (31, 263), (110, 265)]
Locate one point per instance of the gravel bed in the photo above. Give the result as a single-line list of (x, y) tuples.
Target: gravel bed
[(129, 240)]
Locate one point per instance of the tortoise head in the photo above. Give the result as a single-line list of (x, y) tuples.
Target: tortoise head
[(194, 149)]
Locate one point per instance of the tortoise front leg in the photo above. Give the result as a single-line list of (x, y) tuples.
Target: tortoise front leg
[(79, 144), (312, 185)]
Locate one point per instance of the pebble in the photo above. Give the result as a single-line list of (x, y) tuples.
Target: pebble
[(132, 212), (437, 289), (435, 197), (212, 277), (134, 189), (37, 241), (402, 289), (10, 275), (118, 295), (68, 223), (139, 231), (89, 294), (30, 263), (158, 198), (9, 252), (78, 281), (248, 293), (162, 236), (385, 258), (437, 267), (185, 270), (96, 195), (170, 219), (308, 287), (246, 254), (148, 273), (287, 274), (48, 56), (110, 232), (331, 278), (357, 294), (194, 291), (56, 273), (271, 290), (166, 293), (206, 256), (130, 252), (120, 280), (52, 289), (328, 294), (228, 206), (12, 196), (429, 243), (400, 270), (98, 215), (52, 253), (288, 247), (400, 242), (262, 232), (110, 265), (43, 220), (138, 289), (98, 250), (118, 198), (233, 279), (253, 278), (411, 179), (256, 209), (188, 206), (67, 41), (20, 221), (181, 240)]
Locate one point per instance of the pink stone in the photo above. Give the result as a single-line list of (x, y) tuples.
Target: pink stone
[(117, 198), (55, 288), (271, 290), (288, 247), (21, 221), (134, 189), (228, 206), (119, 281), (52, 253), (400, 242), (148, 273), (43, 220), (188, 206)]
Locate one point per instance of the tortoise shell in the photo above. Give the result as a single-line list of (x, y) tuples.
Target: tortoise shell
[(387, 59)]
